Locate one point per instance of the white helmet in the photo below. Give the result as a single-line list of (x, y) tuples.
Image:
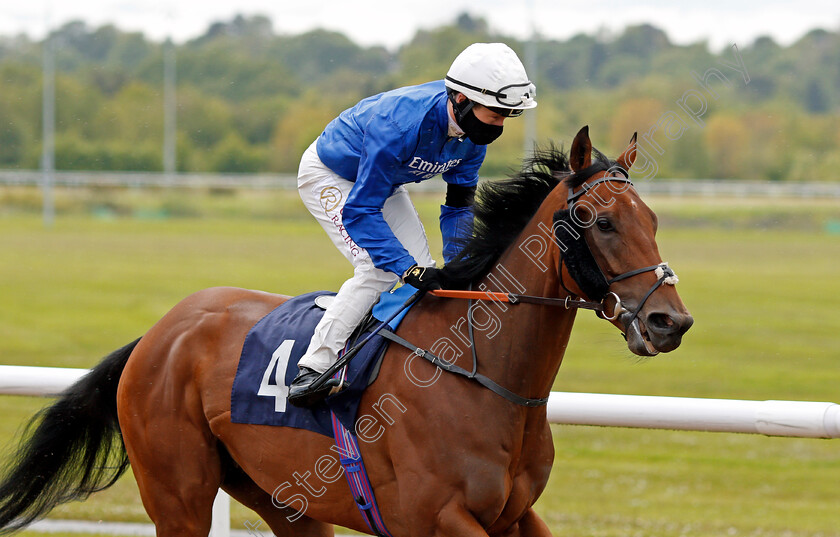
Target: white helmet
[(492, 75)]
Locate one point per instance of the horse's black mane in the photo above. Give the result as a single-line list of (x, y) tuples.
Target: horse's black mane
[(503, 209)]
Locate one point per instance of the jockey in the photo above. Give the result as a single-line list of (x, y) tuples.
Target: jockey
[(351, 180)]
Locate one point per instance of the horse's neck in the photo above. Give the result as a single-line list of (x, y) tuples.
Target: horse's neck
[(530, 340)]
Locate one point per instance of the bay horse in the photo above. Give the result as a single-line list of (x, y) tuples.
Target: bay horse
[(445, 456)]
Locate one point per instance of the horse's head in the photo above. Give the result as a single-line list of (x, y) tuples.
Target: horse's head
[(607, 239)]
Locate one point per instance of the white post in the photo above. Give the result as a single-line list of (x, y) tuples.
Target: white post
[(221, 515), (530, 116), (169, 112), (48, 124)]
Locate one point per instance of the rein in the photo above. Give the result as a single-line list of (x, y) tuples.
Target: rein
[(511, 298)]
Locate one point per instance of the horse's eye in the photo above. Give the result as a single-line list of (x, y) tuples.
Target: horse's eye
[(604, 225)]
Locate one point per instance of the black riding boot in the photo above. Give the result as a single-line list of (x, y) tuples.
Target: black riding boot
[(301, 392)]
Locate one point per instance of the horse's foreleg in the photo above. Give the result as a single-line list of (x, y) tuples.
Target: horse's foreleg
[(454, 520), (530, 525), (457, 521)]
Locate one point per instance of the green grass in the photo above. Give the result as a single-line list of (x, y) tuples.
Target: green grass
[(761, 279)]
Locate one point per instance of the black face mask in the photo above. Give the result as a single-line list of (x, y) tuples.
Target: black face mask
[(479, 132)]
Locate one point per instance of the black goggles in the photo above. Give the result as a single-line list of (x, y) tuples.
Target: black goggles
[(503, 97), (507, 112), (468, 105)]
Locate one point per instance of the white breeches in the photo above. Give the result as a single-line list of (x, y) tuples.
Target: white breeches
[(324, 193)]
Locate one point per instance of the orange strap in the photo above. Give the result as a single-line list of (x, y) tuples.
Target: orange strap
[(475, 295)]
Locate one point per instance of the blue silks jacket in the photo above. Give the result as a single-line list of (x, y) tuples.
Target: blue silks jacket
[(390, 139)]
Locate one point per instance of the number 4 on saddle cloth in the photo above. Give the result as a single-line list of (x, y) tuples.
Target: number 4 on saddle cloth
[(268, 365)]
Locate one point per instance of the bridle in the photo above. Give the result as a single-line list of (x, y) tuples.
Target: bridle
[(581, 264)]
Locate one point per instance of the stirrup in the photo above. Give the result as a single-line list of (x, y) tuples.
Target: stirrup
[(308, 396), (340, 383)]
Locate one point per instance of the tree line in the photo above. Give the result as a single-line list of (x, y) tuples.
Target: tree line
[(251, 100)]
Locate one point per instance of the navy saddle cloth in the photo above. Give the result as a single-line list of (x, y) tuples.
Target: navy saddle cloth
[(268, 365)]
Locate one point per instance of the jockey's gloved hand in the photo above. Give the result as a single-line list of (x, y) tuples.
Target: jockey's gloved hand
[(423, 278)]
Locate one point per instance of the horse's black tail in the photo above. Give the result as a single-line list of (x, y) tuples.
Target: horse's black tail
[(69, 449)]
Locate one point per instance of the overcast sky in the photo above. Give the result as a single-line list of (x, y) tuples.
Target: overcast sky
[(368, 22)]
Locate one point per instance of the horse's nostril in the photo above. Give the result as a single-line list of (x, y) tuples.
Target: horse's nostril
[(667, 324), (661, 322)]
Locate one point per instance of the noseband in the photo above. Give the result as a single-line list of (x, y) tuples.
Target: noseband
[(581, 264)]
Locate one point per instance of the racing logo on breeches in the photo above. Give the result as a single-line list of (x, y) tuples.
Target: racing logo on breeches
[(330, 199)]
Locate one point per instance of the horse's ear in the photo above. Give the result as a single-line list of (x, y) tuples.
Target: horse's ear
[(580, 156), (629, 156)]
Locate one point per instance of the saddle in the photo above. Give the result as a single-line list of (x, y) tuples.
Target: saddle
[(270, 355), (275, 344)]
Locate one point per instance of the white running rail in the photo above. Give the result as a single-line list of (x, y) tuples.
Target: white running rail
[(804, 419)]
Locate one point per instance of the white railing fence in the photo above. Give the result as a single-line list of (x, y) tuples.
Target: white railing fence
[(803, 419), (267, 181)]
